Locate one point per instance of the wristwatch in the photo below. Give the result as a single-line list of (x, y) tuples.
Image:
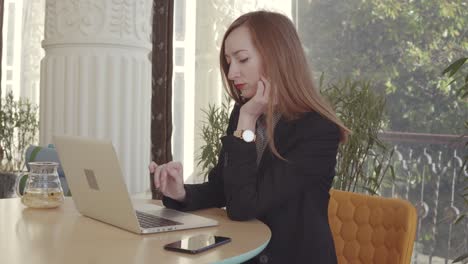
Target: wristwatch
[(246, 135)]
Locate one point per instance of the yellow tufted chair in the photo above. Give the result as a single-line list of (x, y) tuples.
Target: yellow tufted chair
[(371, 229)]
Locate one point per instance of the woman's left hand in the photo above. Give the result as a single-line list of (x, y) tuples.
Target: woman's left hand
[(255, 107)]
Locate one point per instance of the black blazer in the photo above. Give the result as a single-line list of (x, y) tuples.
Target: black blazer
[(291, 197)]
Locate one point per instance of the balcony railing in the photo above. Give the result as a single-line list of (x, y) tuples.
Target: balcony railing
[(430, 173)]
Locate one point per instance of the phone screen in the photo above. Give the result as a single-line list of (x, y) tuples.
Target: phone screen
[(198, 243)]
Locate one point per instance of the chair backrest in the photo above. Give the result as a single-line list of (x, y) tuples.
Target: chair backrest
[(371, 229)]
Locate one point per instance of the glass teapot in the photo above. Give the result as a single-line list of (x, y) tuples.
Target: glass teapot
[(42, 188)]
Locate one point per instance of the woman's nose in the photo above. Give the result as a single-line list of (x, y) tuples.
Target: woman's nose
[(233, 72)]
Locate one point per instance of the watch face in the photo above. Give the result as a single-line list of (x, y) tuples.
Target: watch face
[(248, 136)]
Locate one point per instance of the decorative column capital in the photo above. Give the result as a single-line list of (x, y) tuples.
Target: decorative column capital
[(70, 22)]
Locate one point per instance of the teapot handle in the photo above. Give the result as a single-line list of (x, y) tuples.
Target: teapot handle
[(19, 183), (32, 157)]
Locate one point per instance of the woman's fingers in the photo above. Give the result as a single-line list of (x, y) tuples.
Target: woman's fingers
[(260, 89), (267, 87), (175, 171), (178, 166), (167, 174), (156, 177), (180, 170), (265, 80), (163, 179), (175, 175), (152, 166)]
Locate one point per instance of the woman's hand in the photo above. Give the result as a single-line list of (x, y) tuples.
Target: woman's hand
[(255, 107), (169, 179)]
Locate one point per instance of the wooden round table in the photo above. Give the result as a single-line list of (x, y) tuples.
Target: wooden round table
[(63, 235)]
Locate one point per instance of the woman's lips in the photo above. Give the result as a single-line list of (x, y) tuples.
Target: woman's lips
[(239, 86)]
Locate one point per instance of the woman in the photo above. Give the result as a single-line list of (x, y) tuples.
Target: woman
[(278, 156)]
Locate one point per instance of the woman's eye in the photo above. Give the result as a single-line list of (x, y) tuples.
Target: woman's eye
[(244, 60)]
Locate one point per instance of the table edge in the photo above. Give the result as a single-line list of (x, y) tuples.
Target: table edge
[(246, 256)]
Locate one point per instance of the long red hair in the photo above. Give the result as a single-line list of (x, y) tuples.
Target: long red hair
[(285, 65)]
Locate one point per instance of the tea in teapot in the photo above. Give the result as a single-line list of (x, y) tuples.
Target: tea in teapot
[(43, 188)]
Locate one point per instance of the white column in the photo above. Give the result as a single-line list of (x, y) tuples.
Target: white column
[(96, 78)]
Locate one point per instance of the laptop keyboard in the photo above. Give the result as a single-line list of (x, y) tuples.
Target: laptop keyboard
[(149, 221)]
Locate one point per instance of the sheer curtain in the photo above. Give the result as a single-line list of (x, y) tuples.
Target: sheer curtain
[(22, 34), (32, 52)]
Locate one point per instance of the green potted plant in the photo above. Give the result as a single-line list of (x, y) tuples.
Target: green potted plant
[(18, 128), (217, 120), (363, 162)]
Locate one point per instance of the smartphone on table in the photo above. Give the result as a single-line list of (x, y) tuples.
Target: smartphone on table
[(197, 244)]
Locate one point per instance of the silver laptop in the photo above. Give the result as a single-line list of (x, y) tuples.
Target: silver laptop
[(99, 191)]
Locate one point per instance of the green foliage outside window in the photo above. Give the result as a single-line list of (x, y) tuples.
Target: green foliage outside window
[(401, 46)]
